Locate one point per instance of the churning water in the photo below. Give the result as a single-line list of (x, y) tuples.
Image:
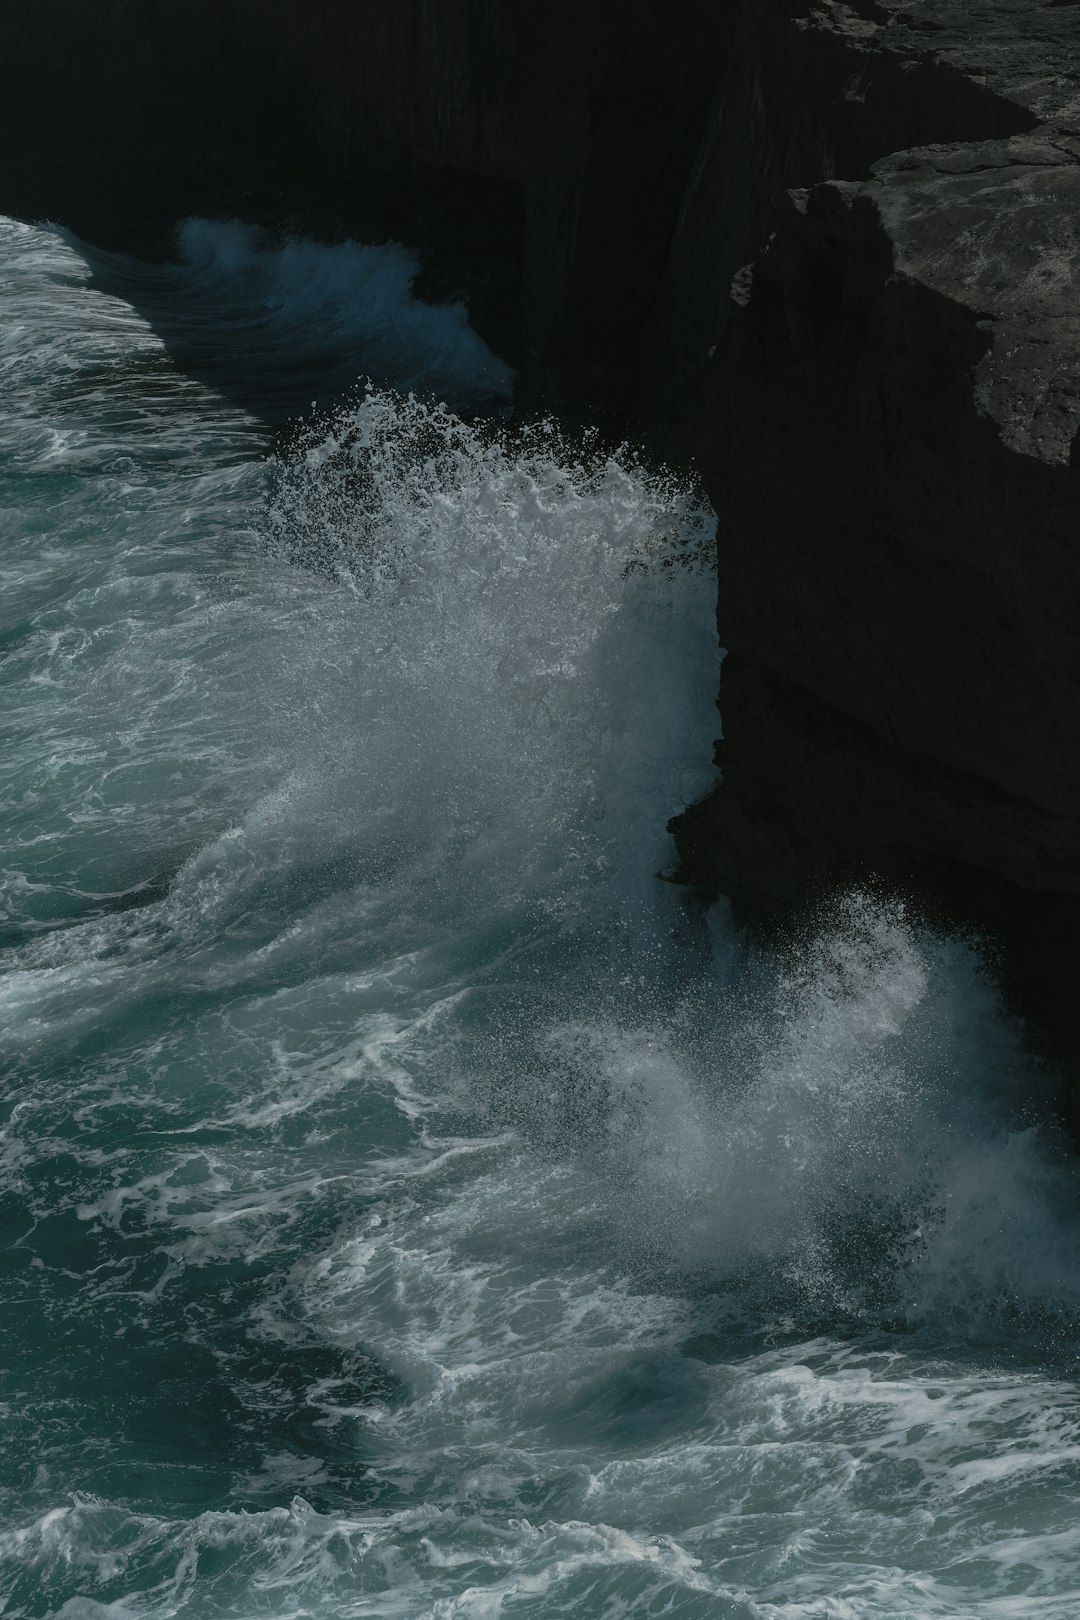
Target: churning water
[(412, 1205)]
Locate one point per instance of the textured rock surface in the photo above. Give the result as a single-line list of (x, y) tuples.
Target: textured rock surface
[(891, 428), (895, 419)]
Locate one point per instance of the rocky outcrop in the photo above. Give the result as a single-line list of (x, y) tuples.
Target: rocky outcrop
[(895, 418), (891, 426), (809, 93), (829, 250)]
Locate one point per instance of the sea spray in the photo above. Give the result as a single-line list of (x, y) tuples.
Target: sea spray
[(412, 1205)]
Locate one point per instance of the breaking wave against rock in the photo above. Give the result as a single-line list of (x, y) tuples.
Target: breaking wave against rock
[(439, 1214)]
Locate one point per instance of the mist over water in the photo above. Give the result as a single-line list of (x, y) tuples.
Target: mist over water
[(413, 1205)]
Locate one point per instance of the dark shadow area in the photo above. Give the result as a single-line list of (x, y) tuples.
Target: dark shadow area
[(187, 111)]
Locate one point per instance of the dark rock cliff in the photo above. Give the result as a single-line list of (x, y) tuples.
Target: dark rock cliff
[(832, 251), (891, 426)]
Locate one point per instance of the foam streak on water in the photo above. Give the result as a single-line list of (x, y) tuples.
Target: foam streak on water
[(412, 1206)]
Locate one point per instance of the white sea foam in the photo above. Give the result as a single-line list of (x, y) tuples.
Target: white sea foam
[(438, 1214)]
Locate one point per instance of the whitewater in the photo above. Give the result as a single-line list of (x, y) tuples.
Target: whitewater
[(413, 1204)]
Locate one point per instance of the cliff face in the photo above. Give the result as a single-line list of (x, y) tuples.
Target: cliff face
[(538, 155), (590, 120), (830, 250), (891, 426), (895, 418)]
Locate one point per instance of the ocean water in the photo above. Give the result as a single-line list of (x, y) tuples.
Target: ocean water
[(411, 1204)]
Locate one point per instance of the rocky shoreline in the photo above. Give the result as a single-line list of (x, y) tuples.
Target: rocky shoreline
[(828, 252)]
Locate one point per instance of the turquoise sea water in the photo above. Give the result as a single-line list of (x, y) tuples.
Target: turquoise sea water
[(411, 1205)]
